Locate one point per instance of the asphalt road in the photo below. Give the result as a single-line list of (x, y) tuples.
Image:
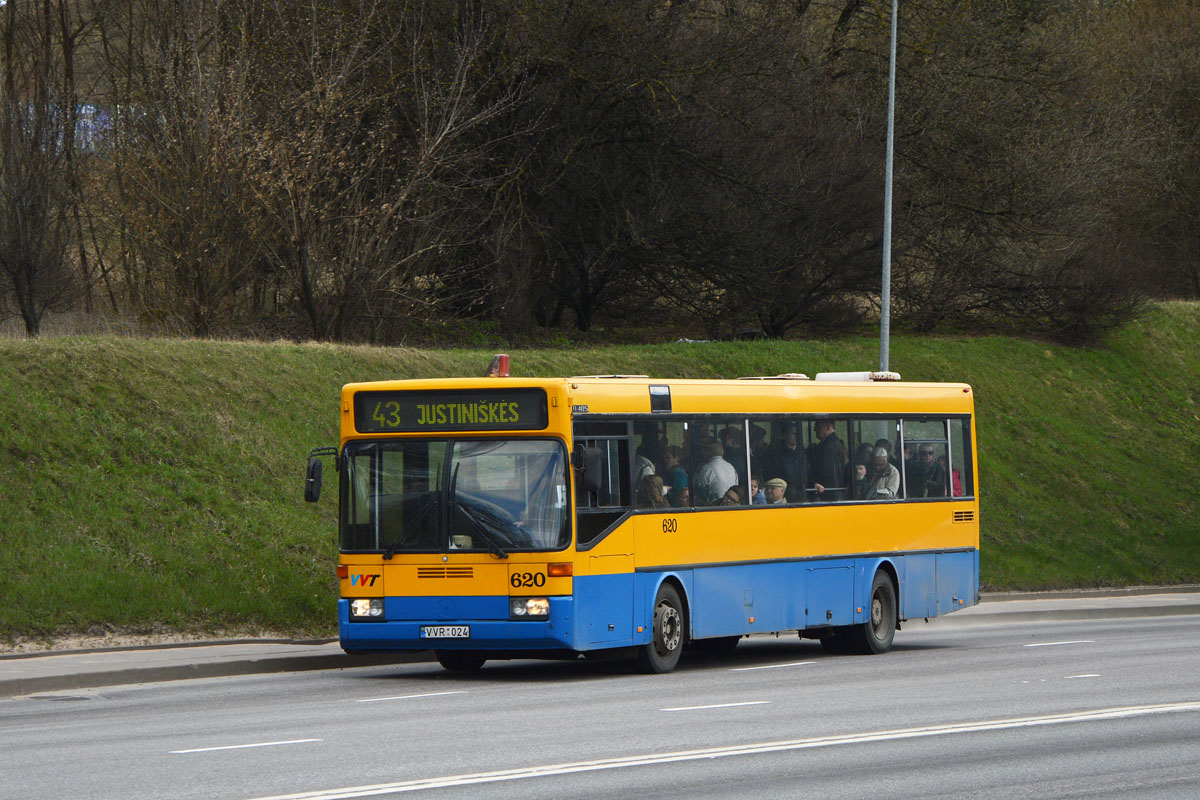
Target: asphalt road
[(1091, 708)]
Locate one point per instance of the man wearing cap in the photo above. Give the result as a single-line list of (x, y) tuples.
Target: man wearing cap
[(883, 479), (775, 490)]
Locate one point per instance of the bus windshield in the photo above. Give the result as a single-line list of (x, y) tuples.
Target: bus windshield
[(437, 495)]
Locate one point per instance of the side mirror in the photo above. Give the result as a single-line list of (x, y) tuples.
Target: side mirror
[(589, 463), (312, 481)]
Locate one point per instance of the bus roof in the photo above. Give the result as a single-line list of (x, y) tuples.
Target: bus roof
[(632, 394)]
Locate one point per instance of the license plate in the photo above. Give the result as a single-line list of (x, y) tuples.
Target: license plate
[(445, 631)]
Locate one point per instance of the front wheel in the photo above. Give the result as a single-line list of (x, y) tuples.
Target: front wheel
[(459, 660), (666, 644), (875, 635)]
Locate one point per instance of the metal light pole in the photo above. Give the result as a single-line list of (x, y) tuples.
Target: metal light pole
[(885, 318)]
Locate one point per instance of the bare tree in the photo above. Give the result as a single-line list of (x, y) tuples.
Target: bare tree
[(36, 200), (187, 189), (373, 166)]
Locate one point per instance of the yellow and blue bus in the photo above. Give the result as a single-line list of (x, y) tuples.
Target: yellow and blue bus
[(505, 517)]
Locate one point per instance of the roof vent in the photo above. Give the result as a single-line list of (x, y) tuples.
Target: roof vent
[(786, 376), (858, 376), (609, 376)]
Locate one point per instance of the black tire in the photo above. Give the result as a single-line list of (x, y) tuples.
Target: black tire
[(460, 660), (717, 646), (667, 638), (874, 636)]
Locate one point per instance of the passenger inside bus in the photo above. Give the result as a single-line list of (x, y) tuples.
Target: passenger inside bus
[(674, 476), (826, 462), (785, 460), (715, 475), (683, 498), (650, 492), (734, 496), (884, 479), (757, 498)]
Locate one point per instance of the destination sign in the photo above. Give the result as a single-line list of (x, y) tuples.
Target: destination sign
[(450, 410)]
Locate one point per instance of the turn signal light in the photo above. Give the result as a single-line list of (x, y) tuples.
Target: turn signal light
[(343, 571), (560, 570)]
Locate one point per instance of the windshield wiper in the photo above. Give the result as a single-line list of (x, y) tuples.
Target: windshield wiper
[(480, 526), (392, 548), (422, 512)]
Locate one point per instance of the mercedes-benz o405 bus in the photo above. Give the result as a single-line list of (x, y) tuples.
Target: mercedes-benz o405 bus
[(506, 517)]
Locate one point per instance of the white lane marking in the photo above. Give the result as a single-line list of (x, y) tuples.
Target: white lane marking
[(773, 666), (244, 746), (1090, 675), (718, 705), (1054, 644), (407, 697), (1121, 712)]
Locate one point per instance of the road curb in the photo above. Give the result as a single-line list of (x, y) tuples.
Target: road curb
[(14, 687), (1065, 615)]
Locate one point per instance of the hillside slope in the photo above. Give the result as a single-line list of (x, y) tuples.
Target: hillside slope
[(155, 485)]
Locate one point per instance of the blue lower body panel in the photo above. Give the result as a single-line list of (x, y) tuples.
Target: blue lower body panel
[(487, 617), (608, 611)]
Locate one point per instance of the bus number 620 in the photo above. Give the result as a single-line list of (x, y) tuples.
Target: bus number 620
[(527, 579), (670, 525)]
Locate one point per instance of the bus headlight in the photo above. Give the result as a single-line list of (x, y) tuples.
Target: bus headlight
[(525, 607), (366, 607)]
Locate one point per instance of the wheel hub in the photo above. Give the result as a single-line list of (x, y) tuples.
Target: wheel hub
[(670, 631)]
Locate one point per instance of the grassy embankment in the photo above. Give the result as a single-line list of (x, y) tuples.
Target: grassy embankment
[(155, 485)]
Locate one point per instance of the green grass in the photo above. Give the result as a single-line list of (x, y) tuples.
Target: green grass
[(155, 485)]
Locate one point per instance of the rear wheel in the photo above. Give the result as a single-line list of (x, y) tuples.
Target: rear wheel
[(875, 635), (459, 660), (666, 643)]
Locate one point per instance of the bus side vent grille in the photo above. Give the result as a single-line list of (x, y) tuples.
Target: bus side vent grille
[(445, 572), (964, 516)]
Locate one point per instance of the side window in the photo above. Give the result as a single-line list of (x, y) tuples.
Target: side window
[(962, 478), (874, 472), (781, 461), (720, 466), (757, 430), (614, 491), (358, 529), (926, 459), (828, 458), (649, 453), (676, 463), (597, 511)]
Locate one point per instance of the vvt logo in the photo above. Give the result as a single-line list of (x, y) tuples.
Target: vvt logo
[(363, 580)]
